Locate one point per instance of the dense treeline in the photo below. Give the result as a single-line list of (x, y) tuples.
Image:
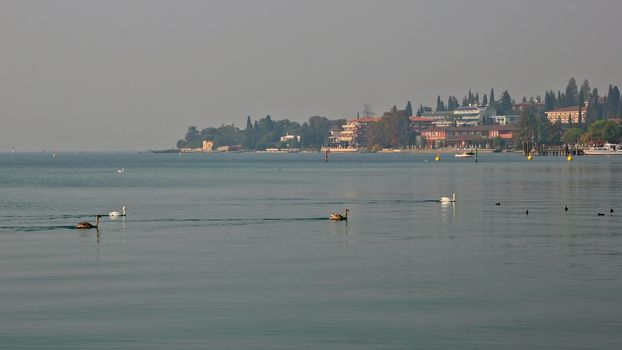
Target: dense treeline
[(393, 129), (264, 133), (595, 123)]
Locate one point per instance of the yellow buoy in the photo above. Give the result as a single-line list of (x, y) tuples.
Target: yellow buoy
[(570, 157), (437, 158), (529, 157)]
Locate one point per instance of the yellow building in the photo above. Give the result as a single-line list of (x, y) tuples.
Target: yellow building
[(208, 146), (566, 115)]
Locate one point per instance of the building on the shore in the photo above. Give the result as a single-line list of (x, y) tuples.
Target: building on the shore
[(504, 119), (421, 123), (471, 115), (208, 145), (566, 115), (353, 134), (233, 148), (287, 138), (462, 116), (466, 136)]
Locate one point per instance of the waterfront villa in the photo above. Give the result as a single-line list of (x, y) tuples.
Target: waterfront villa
[(354, 133), (566, 115), (466, 136)]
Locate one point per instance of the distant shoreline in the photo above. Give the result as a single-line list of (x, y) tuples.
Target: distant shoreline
[(334, 151)]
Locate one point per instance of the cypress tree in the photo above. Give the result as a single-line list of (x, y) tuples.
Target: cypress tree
[(440, 106), (572, 94), (248, 140), (485, 100), (585, 90), (590, 113), (549, 101), (409, 109), (456, 104), (505, 105), (492, 97), (613, 102)]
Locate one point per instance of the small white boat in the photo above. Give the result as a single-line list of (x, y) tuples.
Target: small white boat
[(603, 149), (469, 154), (121, 171)]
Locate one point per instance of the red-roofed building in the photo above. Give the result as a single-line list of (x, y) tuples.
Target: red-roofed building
[(420, 123), (466, 136)]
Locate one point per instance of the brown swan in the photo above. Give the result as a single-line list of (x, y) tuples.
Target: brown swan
[(86, 225), (339, 217)]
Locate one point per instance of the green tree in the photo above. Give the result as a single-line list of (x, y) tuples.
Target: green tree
[(498, 143), (571, 136), (492, 98), (379, 135), (533, 127), (193, 138), (585, 92), (549, 101), (393, 130), (605, 130), (505, 104), (595, 109), (452, 103), (465, 101), (613, 101), (227, 135), (547, 133), (248, 141), (572, 94), (525, 128), (409, 109), (315, 132), (440, 106)]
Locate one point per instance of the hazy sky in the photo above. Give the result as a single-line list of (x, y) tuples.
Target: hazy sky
[(133, 75)]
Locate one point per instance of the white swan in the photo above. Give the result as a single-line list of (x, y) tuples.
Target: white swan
[(121, 171), (448, 199), (116, 213)]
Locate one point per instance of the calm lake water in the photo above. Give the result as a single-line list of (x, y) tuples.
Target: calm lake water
[(234, 251)]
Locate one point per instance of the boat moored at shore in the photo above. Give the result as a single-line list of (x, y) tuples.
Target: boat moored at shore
[(603, 149)]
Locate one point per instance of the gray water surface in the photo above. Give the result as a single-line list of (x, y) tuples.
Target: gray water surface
[(234, 251)]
